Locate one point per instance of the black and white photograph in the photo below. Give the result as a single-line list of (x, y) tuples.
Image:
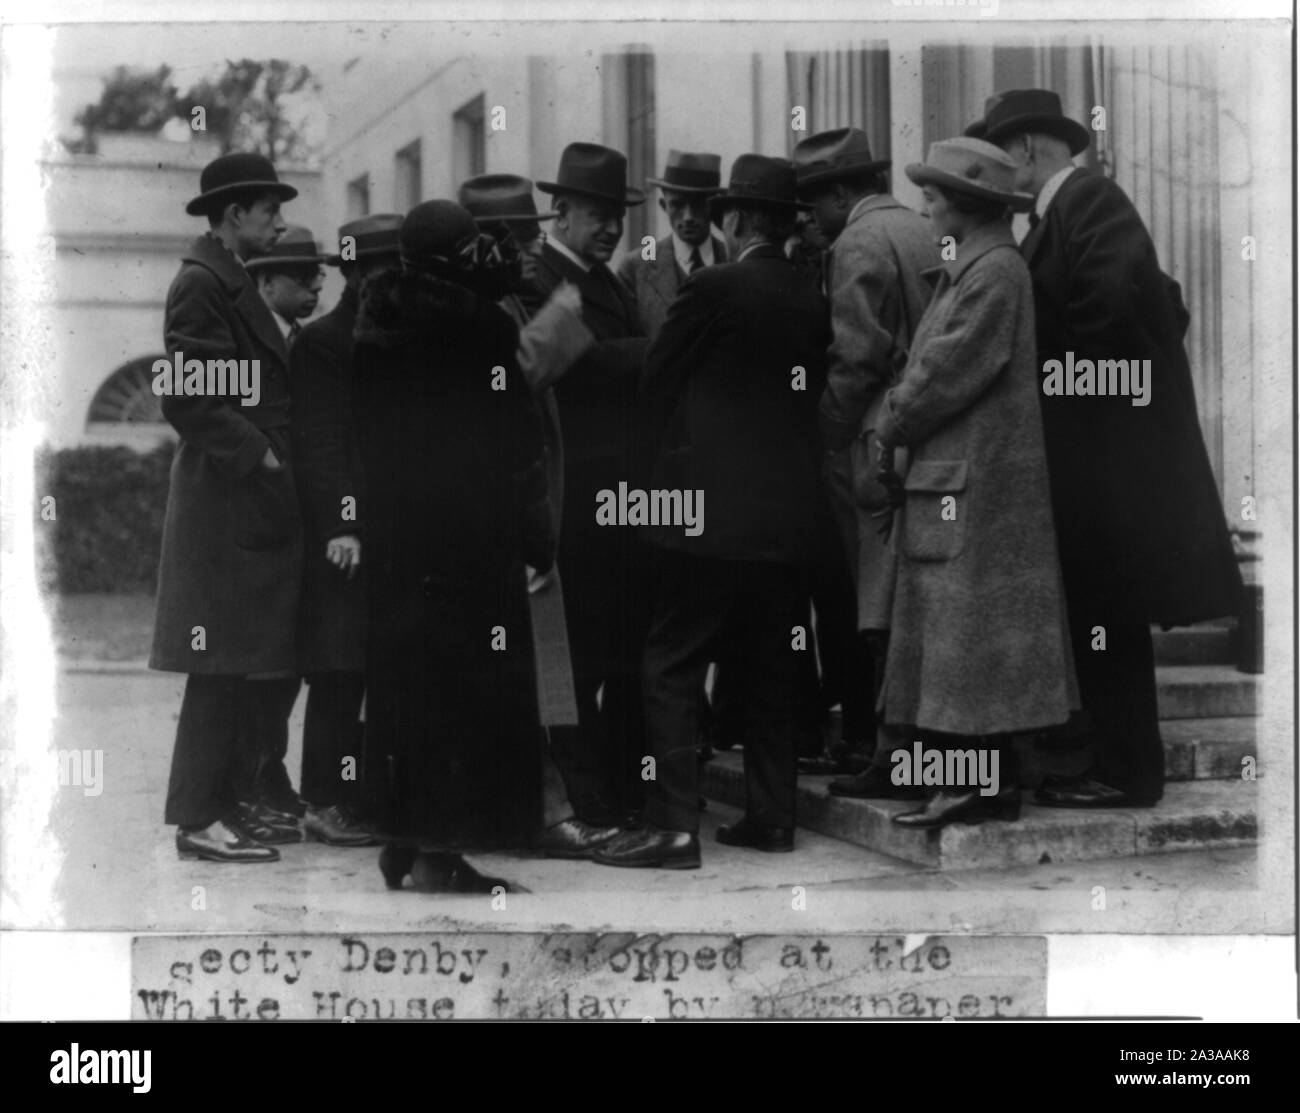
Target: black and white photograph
[(575, 512)]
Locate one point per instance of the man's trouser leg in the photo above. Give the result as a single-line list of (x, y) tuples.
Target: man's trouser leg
[(206, 757), (331, 734)]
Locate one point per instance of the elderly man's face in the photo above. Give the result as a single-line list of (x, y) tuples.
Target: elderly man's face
[(589, 228), (689, 215)]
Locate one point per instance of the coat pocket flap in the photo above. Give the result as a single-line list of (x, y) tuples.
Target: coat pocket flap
[(936, 475)]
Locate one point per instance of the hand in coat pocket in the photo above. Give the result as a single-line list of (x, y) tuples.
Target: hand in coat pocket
[(265, 506)]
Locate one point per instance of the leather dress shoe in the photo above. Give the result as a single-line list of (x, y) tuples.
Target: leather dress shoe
[(435, 871), (850, 757), (967, 806), (267, 825), (572, 838), (223, 841), (336, 826), (1086, 792), (874, 784), (771, 840), (651, 848)]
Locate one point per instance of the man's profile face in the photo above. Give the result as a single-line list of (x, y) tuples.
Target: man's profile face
[(688, 213), (294, 294), (590, 228), (1018, 147), (259, 228), (828, 212)]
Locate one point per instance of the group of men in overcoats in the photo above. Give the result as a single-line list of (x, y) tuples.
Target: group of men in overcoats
[(704, 362)]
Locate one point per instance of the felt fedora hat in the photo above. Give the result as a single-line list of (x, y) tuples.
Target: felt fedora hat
[(690, 172), (296, 248), (590, 170), (371, 235), (831, 156), (757, 180), (239, 171), (974, 167), (508, 198), (1021, 111)]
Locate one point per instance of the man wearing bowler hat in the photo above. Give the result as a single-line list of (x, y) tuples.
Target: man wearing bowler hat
[(1141, 530), (601, 565), (229, 575), (327, 464), (551, 337), (689, 181), (289, 278), (729, 407), (879, 249)]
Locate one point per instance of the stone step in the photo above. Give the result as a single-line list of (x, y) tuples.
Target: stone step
[(1208, 644), (1195, 750), (1205, 692), (1193, 815)]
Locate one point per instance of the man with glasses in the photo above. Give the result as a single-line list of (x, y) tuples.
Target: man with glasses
[(290, 278)]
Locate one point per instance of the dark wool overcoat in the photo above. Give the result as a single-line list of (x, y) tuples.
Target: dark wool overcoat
[(327, 465), (232, 537), (979, 640), (1138, 513), (454, 471), (603, 567), (721, 413)]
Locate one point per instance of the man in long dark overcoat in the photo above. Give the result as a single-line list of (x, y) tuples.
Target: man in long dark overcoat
[(1141, 529), (729, 407), (327, 464), (602, 568), (228, 581)]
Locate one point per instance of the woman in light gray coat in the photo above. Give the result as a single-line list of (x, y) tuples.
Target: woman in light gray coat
[(980, 647)]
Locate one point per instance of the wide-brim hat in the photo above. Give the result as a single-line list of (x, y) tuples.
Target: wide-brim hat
[(590, 170), (376, 234), (234, 172), (503, 198), (296, 248), (831, 156), (1030, 111), (762, 182), (973, 167), (690, 172)]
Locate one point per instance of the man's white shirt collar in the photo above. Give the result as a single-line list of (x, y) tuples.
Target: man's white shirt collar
[(682, 252), (565, 250), (1049, 189)]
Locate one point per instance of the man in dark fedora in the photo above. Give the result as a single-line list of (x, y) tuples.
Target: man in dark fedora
[(729, 406), (689, 181), (331, 489), (551, 337), (602, 566), (289, 277), (1141, 529), (229, 576), (879, 250)]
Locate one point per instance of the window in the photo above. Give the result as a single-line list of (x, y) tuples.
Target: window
[(359, 197), (407, 181), (127, 396), (469, 141)]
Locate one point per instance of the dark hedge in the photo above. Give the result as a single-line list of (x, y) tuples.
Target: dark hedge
[(109, 506)]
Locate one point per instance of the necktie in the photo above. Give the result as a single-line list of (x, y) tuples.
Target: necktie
[(697, 260), (1034, 218), (294, 329)]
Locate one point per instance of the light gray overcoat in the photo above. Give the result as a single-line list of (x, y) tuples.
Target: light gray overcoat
[(980, 642)]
